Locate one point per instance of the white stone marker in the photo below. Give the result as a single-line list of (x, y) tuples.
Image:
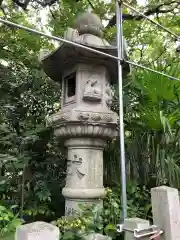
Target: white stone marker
[(37, 231), (166, 211), (134, 223)]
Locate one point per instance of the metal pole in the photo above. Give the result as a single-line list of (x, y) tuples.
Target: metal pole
[(59, 39), (120, 39)]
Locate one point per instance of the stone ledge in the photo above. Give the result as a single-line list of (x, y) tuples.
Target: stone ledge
[(70, 130), (76, 115), (85, 143), (83, 193)]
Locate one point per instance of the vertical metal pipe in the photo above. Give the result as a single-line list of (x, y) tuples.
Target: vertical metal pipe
[(119, 28)]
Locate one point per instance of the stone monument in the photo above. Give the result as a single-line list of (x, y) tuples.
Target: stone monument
[(37, 231), (85, 120)]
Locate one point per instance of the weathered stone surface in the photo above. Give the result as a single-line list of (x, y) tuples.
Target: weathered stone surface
[(37, 231), (134, 223), (97, 236), (90, 130), (93, 92), (86, 122), (88, 113), (84, 181), (166, 211), (89, 22)]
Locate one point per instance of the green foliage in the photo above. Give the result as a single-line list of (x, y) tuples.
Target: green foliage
[(27, 148), (151, 106), (72, 228), (8, 220), (8, 237), (104, 220), (32, 162), (154, 126)]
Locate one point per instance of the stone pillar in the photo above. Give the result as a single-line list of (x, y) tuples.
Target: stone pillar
[(84, 182), (37, 231), (134, 223), (166, 211)]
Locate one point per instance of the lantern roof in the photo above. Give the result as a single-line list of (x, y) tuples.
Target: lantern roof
[(87, 31)]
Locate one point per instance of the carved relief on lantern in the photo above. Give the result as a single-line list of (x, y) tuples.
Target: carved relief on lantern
[(92, 90), (75, 169), (70, 211), (109, 94), (83, 116)]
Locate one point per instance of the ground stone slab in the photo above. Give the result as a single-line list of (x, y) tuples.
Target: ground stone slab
[(37, 231)]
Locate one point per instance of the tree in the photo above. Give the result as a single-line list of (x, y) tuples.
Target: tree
[(32, 167), (27, 97), (152, 7)]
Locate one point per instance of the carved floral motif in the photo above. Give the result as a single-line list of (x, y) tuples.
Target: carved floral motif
[(63, 117), (89, 129), (83, 116), (96, 117), (107, 118), (56, 118)]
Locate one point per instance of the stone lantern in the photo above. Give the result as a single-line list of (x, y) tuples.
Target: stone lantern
[(85, 120)]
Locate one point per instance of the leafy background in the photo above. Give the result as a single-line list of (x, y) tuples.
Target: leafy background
[(32, 162)]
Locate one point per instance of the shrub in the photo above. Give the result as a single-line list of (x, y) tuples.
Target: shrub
[(105, 220), (8, 220)]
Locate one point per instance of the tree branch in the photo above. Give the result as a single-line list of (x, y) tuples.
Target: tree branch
[(155, 10), (2, 9), (23, 5), (52, 14)]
